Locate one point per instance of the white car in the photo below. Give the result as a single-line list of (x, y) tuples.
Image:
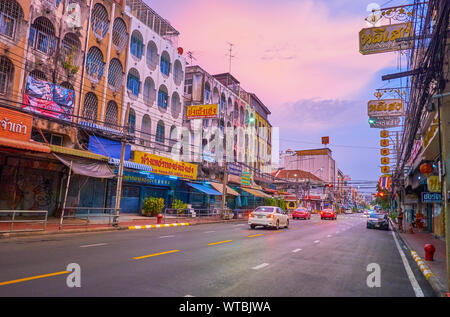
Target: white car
[(268, 216), (348, 211)]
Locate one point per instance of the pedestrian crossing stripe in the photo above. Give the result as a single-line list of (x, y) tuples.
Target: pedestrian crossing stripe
[(158, 226)]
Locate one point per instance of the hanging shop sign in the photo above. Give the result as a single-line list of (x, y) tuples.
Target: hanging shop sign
[(15, 125), (234, 169), (384, 142), (385, 108), (385, 122), (430, 133), (147, 178), (383, 38), (385, 160), (385, 152), (326, 140), (384, 133), (430, 198), (385, 169), (246, 178), (202, 112), (434, 184), (166, 166)]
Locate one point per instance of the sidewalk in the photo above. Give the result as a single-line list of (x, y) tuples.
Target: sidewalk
[(416, 242), (80, 225)]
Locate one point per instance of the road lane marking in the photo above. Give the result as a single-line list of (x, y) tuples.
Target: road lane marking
[(188, 295), (162, 237), (317, 241), (296, 250), (278, 231), (33, 278), (412, 278), (255, 235), (214, 243), (155, 254), (93, 245), (260, 266)]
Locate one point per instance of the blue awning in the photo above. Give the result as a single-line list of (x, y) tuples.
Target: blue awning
[(95, 126), (204, 189), (132, 165)]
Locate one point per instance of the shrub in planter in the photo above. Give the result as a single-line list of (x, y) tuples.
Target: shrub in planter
[(152, 206), (179, 205)]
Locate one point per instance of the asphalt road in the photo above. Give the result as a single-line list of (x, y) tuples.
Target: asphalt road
[(311, 258)]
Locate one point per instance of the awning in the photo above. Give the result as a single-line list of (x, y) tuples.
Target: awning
[(256, 192), (79, 153), (99, 127), (86, 167), (274, 191), (24, 145), (219, 187), (132, 165), (204, 189)]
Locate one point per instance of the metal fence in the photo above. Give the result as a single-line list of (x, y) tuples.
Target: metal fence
[(20, 216), (97, 214), (212, 212)]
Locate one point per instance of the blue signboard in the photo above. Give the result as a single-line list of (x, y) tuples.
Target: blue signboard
[(235, 169), (147, 178), (430, 198)]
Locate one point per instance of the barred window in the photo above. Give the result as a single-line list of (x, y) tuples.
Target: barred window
[(72, 45), (42, 36), (133, 83), (236, 111), (146, 130), (99, 21), (165, 63), (149, 91), (11, 14), (152, 55), (111, 115), (90, 107), (119, 34), (160, 132), (94, 64), (132, 122), (136, 44), (223, 103), (37, 74), (178, 72), (6, 74), (163, 97), (207, 93), (115, 75), (176, 105)]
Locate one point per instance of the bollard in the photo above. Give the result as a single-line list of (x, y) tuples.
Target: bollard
[(429, 252), (159, 218)]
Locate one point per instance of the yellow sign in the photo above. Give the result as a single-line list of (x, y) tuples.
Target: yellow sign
[(166, 166), (433, 184), (385, 108), (430, 133), (202, 112), (385, 160), (384, 133), (385, 152), (383, 38), (385, 169), (384, 142)]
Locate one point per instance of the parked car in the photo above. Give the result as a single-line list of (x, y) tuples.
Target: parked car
[(366, 213), (328, 214), (268, 216), (378, 221), (348, 211), (301, 213)]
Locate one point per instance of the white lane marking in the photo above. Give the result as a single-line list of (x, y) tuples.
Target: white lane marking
[(329, 236), (92, 245), (296, 250), (317, 241), (162, 237), (209, 231), (188, 295), (260, 266), (412, 279)]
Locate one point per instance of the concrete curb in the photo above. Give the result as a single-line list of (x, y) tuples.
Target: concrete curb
[(434, 282), (158, 226)]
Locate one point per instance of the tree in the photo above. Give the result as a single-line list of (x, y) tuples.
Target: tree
[(383, 198)]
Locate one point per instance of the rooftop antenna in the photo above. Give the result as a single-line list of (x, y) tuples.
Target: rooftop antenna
[(190, 55), (230, 55)]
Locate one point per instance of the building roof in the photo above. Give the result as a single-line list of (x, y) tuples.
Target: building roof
[(254, 96), (323, 151), (289, 174)]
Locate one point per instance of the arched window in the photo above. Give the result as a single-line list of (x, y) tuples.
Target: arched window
[(6, 74), (111, 115), (160, 132), (149, 92), (67, 85), (236, 111), (165, 63), (42, 36), (176, 105), (229, 107), (131, 122), (133, 82), (173, 137), (152, 55), (241, 116), (215, 95), (136, 44), (94, 64), (11, 14), (178, 72), (99, 21), (90, 107), (223, 103), (207, 93), (163, 97), (38, 74), (146, 131), (71, 46), (119, 34), (246, 118), (115, 75)]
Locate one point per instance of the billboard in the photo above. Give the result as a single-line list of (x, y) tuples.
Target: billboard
[(385, 108), (166, 166), (202, 112), (382, 39), (386, 122), (15, 125)]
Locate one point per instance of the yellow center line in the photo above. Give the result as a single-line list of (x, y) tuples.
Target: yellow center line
[(255, 235), (155, 254), (33, 278), (278, 231), (220, 242)]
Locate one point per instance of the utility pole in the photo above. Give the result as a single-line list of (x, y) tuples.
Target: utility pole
[(120, 174), (230, 55), (224, 189)]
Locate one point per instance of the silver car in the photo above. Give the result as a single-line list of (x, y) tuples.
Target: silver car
[(268, 217)]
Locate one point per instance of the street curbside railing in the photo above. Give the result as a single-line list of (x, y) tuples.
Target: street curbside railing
[(20, 217), (98, 213)]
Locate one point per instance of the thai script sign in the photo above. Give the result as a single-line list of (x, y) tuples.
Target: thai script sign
[(384, 133), (430, 133), (431, 197), (385, 108), (166, 166), (384, 152), (234, 169), (434, 184), (15, 125), (383, 38), (246, 178), (386, 122), (384, 142), (202, 112), (147, 178), (385, 160), (385, 169)]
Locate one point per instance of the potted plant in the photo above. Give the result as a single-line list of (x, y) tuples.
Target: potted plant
[(152, 206), (179, 206)]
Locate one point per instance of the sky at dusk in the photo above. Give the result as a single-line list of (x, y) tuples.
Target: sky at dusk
[(301, 57)]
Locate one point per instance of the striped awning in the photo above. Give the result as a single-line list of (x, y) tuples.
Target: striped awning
[(79, 153), (219, 188), (132, 165), (256, 192), (99, 127), (24, 145)]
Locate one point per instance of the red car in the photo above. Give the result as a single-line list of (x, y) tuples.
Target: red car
[(301, 213), (328, 214)]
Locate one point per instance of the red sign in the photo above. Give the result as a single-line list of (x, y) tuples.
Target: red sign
[(326, 140)]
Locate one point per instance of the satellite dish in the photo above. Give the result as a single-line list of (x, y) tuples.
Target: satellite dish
[(180, 51)]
